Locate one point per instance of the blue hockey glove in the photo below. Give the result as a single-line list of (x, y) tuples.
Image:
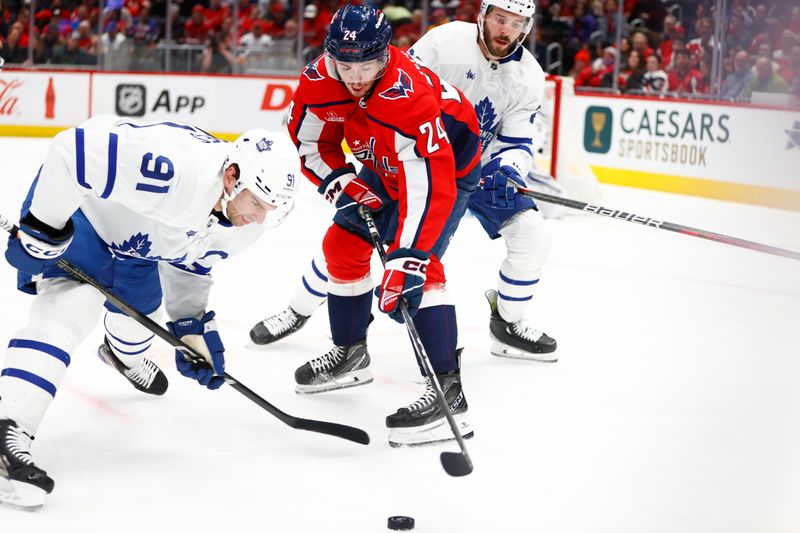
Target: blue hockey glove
[(499, 184), (203, 337), (37, 246), (404, 278)]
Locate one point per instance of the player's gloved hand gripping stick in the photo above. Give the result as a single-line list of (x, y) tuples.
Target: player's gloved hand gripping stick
[(317, 426), (455, 464)]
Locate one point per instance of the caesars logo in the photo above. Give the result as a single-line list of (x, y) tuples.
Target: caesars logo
[(679, 136), (597, 129), (131, 101)]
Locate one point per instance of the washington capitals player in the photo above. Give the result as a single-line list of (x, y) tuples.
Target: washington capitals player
[(137, 207), (418, 140), (506, 85)]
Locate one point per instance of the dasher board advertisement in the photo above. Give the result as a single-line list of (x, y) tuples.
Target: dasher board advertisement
[(42, 103), (732, 152)]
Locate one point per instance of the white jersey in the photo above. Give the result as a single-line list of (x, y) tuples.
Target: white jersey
[(148, 191), (506, 94)]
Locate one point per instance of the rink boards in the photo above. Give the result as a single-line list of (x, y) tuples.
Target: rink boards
[(733, 152)]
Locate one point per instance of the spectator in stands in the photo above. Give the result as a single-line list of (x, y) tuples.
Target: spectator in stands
[(438, 17), (683, 78), (654, 80), (196, 28), (631, 76), (737, 36), (215, 14), (790, 66), (413, 28), (11, 50), (651, 12), (735, 83), (581, 28), (72, 54), (217, 57), (704, 43), (580, 63), (613, 20), (314, 32), (51, 40), (87, 41), (276, 22), (112, 40), (641, 43), (787, 41), (766, 80), (256, 38)]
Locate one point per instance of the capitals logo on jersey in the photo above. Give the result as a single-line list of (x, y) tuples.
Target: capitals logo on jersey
[(312, 71), (401, 88), (366, 152)]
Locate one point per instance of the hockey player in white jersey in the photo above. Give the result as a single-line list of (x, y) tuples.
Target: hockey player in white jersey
[(141, 208), (506, 85)]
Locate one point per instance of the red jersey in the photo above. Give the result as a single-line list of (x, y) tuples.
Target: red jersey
[(417, 132)]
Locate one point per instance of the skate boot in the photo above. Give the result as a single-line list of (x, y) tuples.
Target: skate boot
[(22, 483), (342, 367), (277, 326), (145, 376), (517, 339), (423, 421)]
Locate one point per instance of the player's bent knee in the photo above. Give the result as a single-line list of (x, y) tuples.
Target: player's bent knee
[(347, 255)]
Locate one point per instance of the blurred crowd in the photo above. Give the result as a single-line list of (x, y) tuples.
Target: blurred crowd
[(665, 46)]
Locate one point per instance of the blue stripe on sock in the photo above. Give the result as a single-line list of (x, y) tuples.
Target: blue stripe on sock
[(43, 347), (513, 299), (30, 378), (317, 272), (517, 281), (312, 291)]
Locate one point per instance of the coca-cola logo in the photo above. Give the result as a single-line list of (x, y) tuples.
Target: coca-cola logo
[(8, 100)]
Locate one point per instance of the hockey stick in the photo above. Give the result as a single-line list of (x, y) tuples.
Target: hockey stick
[(317, 426), (455, 464), (669, 226)]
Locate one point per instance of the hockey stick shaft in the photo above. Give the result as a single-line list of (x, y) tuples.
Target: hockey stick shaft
[(317, 426), (660, 224), (454, 464)]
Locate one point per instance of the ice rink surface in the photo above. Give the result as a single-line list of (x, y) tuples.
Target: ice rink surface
[(674, 407)]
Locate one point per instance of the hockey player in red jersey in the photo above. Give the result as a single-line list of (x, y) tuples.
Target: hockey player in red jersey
[(419, 142)]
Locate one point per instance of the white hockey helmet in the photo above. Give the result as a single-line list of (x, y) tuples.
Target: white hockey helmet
[(525, 8), (269, 167)]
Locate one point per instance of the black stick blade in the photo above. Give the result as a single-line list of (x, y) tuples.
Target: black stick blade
[(330, 428), (456, 464)]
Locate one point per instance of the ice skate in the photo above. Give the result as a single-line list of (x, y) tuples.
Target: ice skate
[(277, 326), (517, 339), (145, 376), (22, 483), (342, 367), (423, 421)]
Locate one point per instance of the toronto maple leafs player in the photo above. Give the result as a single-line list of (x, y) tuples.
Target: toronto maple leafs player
[(141, 208), (506, 85)]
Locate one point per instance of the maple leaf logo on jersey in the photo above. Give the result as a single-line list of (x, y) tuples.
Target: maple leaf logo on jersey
[(486, 117), (401, 88), (312, 71), (139, 246), (264, 145)]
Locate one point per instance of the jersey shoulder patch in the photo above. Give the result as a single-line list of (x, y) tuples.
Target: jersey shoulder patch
[(402, 88)]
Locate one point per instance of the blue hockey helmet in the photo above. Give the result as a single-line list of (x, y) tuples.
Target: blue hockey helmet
[(357, 34)]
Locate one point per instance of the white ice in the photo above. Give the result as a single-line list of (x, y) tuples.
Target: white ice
[(674, 407)]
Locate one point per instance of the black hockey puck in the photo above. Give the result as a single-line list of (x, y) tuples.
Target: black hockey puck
[(402, 523)]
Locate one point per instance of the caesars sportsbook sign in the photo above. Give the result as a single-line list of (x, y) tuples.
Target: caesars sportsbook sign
[(691, 147)]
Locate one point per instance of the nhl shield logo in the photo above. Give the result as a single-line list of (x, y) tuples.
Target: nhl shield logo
[(264, 145), (131, 100)]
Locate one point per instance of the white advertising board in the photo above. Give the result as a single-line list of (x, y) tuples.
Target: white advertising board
[(226, 105), (726, 151), (42, 101)]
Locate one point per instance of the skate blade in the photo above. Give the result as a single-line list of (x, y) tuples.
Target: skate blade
[(502, 350), (21, 496), (435, 432), (354, 379)]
